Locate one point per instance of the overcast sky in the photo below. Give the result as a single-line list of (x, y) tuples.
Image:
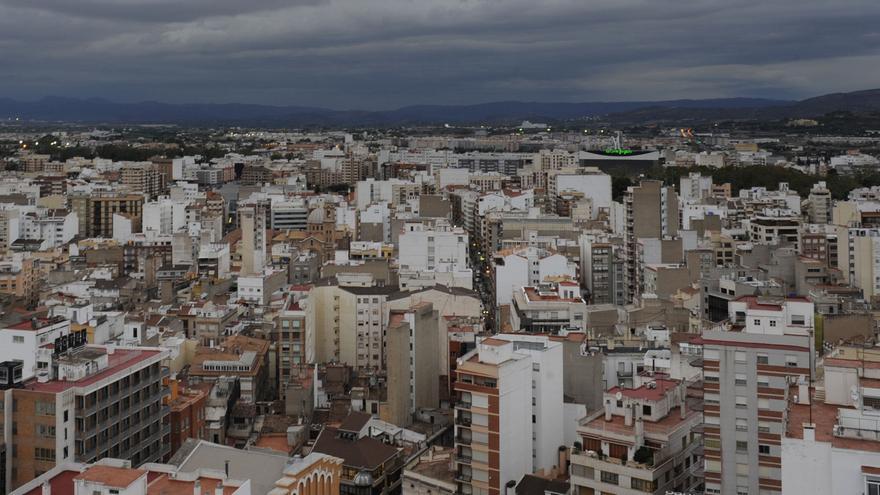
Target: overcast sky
[(376, 54)]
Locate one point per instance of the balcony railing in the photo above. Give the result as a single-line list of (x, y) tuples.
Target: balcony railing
[(463, 459), (463, 404), (462, 421), (462, 477), (463, 440)]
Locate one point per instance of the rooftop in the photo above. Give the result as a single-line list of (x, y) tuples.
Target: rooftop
[(119, 362), (663, 386), (116, 477)]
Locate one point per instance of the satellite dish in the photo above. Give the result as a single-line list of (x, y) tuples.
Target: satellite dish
[(618, 396)]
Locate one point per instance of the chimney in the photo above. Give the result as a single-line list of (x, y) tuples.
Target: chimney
[(197, 487), (46, 488), (218, 490), (628, 414), (607, 412)]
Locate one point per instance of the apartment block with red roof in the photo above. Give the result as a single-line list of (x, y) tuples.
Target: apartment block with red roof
[(85, 403)]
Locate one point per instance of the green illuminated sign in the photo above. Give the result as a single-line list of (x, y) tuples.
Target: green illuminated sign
[(618, 151)]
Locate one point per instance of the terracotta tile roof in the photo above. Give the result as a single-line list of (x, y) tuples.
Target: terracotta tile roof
[(111, 476)]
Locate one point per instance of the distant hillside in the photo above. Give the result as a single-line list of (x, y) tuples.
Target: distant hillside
[(507, 112)]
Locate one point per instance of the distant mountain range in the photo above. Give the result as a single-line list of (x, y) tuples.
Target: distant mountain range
[(96, 110)]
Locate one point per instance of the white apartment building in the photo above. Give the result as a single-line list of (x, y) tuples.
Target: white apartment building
[(515, 269), (21, 340), (832, 440), (694, 188), (509, 413), (549, 308), (591, 182), (53, 227), (430, 255), (748, 365)]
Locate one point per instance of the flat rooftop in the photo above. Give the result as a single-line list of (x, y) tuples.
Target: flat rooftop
[(121, 360)]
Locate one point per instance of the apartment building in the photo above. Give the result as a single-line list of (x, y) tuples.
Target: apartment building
[(95, 211), (245, 358), (819, 204), (508, 411), (292, 346), (86, 403), (412, 354), (19, 278), (207, 322), (187, 413), (775, 227), (591, 182), (651, 211), (748, 363), (348, 323), (644, 440), (832, 440), (554, 308), (145, 178)]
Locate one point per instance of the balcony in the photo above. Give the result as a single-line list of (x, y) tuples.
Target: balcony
[(463, 421), (462, 477), (463, 440), (463, 404), (463, 459)]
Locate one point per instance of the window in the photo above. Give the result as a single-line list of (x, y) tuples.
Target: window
[(763, 381), (798, 320), (742, 424), (763, 359), (764, 449), (44, 454), (871, 402), (763, 427), (740, 357), (742, 402), (740, 379), (742, 447), (772, 323), (872, 486), (712, 443), (643, 485), (757, 321), (18, 339), (610, 478), (791, 361), (45, 408), (646, 410)]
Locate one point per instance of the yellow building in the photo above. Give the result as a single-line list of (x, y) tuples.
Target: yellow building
[(314, 474)]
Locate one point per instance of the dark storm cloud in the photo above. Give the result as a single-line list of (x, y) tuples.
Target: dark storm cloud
[(374, 54)]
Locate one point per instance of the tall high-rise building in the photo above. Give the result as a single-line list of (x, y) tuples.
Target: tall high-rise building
[(820, 204), (748, 365), (651, 213), (509, 411), (412, 361), (253, 239)]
